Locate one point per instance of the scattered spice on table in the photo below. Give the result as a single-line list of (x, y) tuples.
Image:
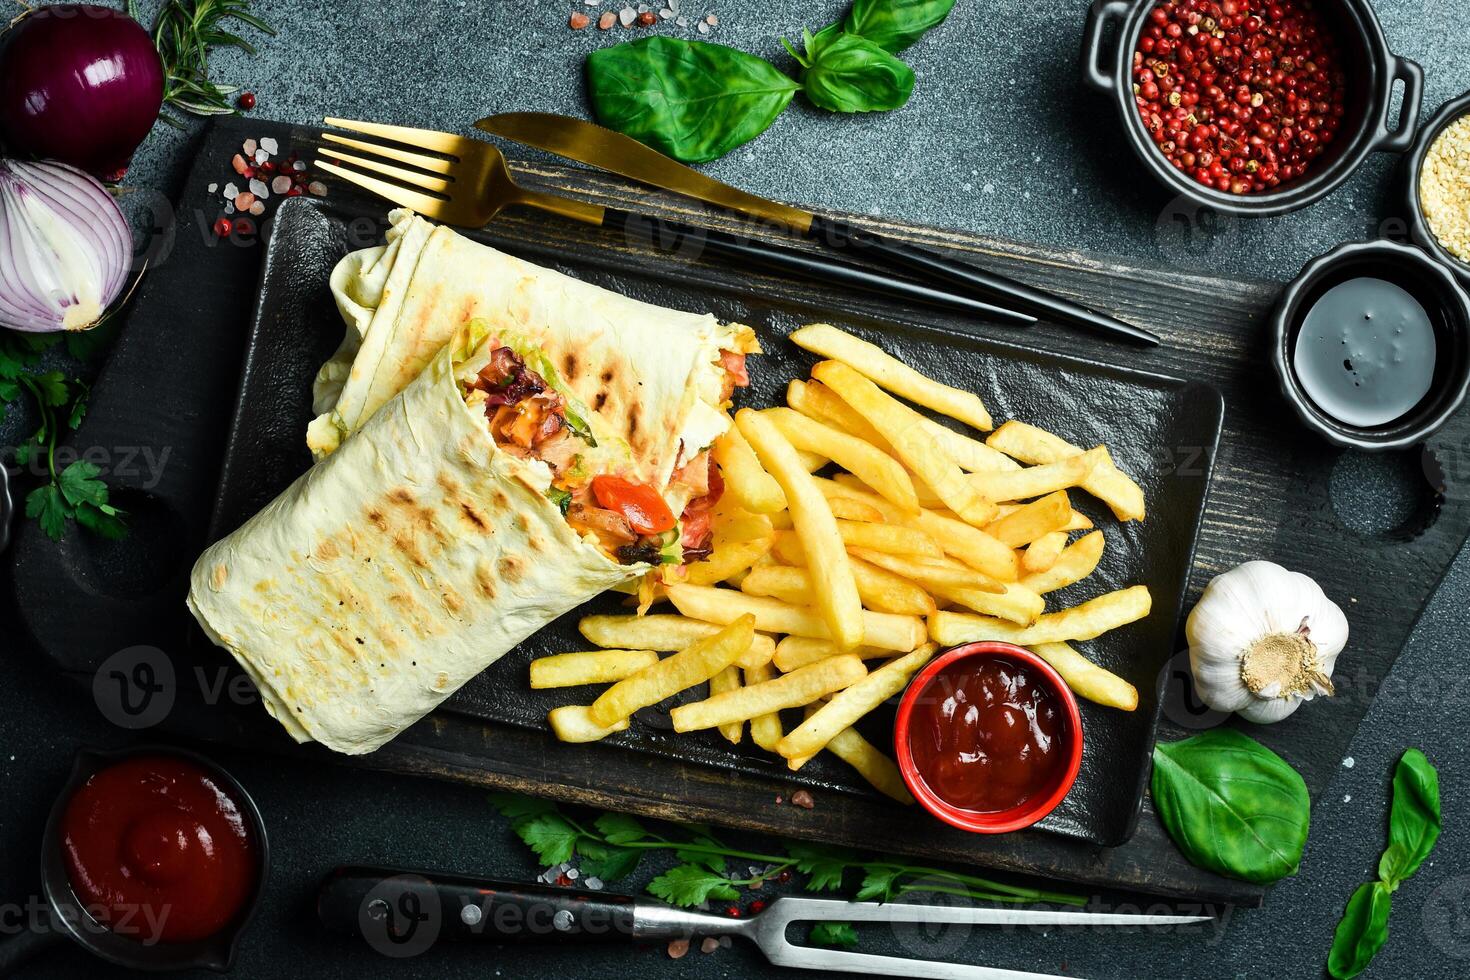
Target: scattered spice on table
[(1241, 95), (642, 15), (267, 176), (1444, 188)]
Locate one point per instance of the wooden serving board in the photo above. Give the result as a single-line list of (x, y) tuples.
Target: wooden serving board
[(175, 372)]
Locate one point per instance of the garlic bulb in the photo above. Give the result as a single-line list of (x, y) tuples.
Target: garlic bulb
[(1262, 640)]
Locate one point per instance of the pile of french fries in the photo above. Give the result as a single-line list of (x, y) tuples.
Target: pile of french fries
[(829, 592)]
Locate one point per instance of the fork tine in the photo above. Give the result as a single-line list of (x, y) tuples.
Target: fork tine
[(420, 160), (428, 139), (812, 958), (431, 207), (425, 181)]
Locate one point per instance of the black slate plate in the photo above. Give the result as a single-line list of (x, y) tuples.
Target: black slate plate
[(1138, 416)]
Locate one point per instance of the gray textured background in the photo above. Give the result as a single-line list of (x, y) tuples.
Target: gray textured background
[(1000, 139)]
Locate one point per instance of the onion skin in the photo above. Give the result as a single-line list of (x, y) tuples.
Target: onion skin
[(65, 247), (81, 84)]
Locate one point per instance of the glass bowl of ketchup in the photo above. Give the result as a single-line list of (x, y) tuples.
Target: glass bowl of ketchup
[(154, 858), (988, 737)]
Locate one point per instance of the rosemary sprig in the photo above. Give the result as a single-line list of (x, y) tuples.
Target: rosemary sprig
[(612, 847), (185, 32)]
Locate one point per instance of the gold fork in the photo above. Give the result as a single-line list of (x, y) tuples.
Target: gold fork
[(463, 181)]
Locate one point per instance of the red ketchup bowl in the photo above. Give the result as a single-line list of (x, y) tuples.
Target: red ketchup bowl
[(988, 737)]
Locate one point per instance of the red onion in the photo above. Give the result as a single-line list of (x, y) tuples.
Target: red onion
[(64, 247), (80, 84)]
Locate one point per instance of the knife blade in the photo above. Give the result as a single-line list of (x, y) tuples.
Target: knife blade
[(585, 142)]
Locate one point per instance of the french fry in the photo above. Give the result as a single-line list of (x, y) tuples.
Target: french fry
[(878, 470), (1092, 618), (728, 680), (1021, 527), (1043, 553), (816, 401), (879, 366), (845, 486), (971, 545), (1075, 563), (1017, 604), (837, 595), (750, 485), (1038, 481), (795, 652), (849, 509), (904, 430), (727, 558), (765, 730), (884, 630), (1078, 522), (1086, 678), (692, 665), (880, 591), (1109, 484), (930, 573), (588, 667), (573, 723), (971, 454), (892, 538), (787, 691), (879, 770), (810, 461), (847, 706), (666, 632)]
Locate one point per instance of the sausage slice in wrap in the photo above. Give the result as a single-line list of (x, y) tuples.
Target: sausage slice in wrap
[(474, 506)]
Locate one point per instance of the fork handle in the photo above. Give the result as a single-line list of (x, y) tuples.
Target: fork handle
[(692, 241), (401, 910)]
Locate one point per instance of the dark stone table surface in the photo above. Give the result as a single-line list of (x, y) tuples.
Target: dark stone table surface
[(999, 139)]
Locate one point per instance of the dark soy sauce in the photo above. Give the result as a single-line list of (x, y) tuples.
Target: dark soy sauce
[(1365, 353)]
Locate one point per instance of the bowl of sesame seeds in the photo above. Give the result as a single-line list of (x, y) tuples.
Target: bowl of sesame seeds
[(1437, 187)]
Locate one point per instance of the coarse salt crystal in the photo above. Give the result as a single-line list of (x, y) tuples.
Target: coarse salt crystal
[(573, 873), (258, 208), (230, 208), (711, 20), (212, 188), (682, 21), (1349, 762), (231, 191), (593, 882), (299, 165), (318, 188), (258, 188), (665, 13), (702, 27), (269, 145), (281, 185), (709, 945), (626, 16), (261, 156), (250, 147)]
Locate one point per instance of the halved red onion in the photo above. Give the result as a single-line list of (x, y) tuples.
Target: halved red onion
[(64, 247)]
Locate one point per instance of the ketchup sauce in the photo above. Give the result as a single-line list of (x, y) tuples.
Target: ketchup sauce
[(158, 849), (989, 735)]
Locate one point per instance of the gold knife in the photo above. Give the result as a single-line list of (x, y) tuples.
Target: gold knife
[(585, 142)]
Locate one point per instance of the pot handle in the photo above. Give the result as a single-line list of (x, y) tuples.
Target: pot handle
[(1099, 16), (1400, 139)]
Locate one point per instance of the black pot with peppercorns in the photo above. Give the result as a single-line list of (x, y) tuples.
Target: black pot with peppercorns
[(1251, 107)]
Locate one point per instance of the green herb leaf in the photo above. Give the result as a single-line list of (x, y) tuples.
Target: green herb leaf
[(1362, 931), (619, 828), (849, 73), (1232, 805), (550, 835), (837, 934), (51, 388), (562, 498), (617, 863), (79, 484), (823, 864), (186, 32), (689, 99), (895, 24), (1413, 820), (878, 884), (104, 521), (706, 859), (47, 506), (689, 884)]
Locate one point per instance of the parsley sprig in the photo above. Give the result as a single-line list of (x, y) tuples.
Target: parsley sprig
[(613, 845), (74, 493)]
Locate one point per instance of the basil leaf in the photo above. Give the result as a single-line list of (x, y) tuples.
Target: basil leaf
[(691, 100), (895, 24), (1413, 821), (847, 73), (1362, 931), (1232, 805)]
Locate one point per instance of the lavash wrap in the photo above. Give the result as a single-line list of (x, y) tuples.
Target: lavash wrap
[(651, 374), (392, 572)]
